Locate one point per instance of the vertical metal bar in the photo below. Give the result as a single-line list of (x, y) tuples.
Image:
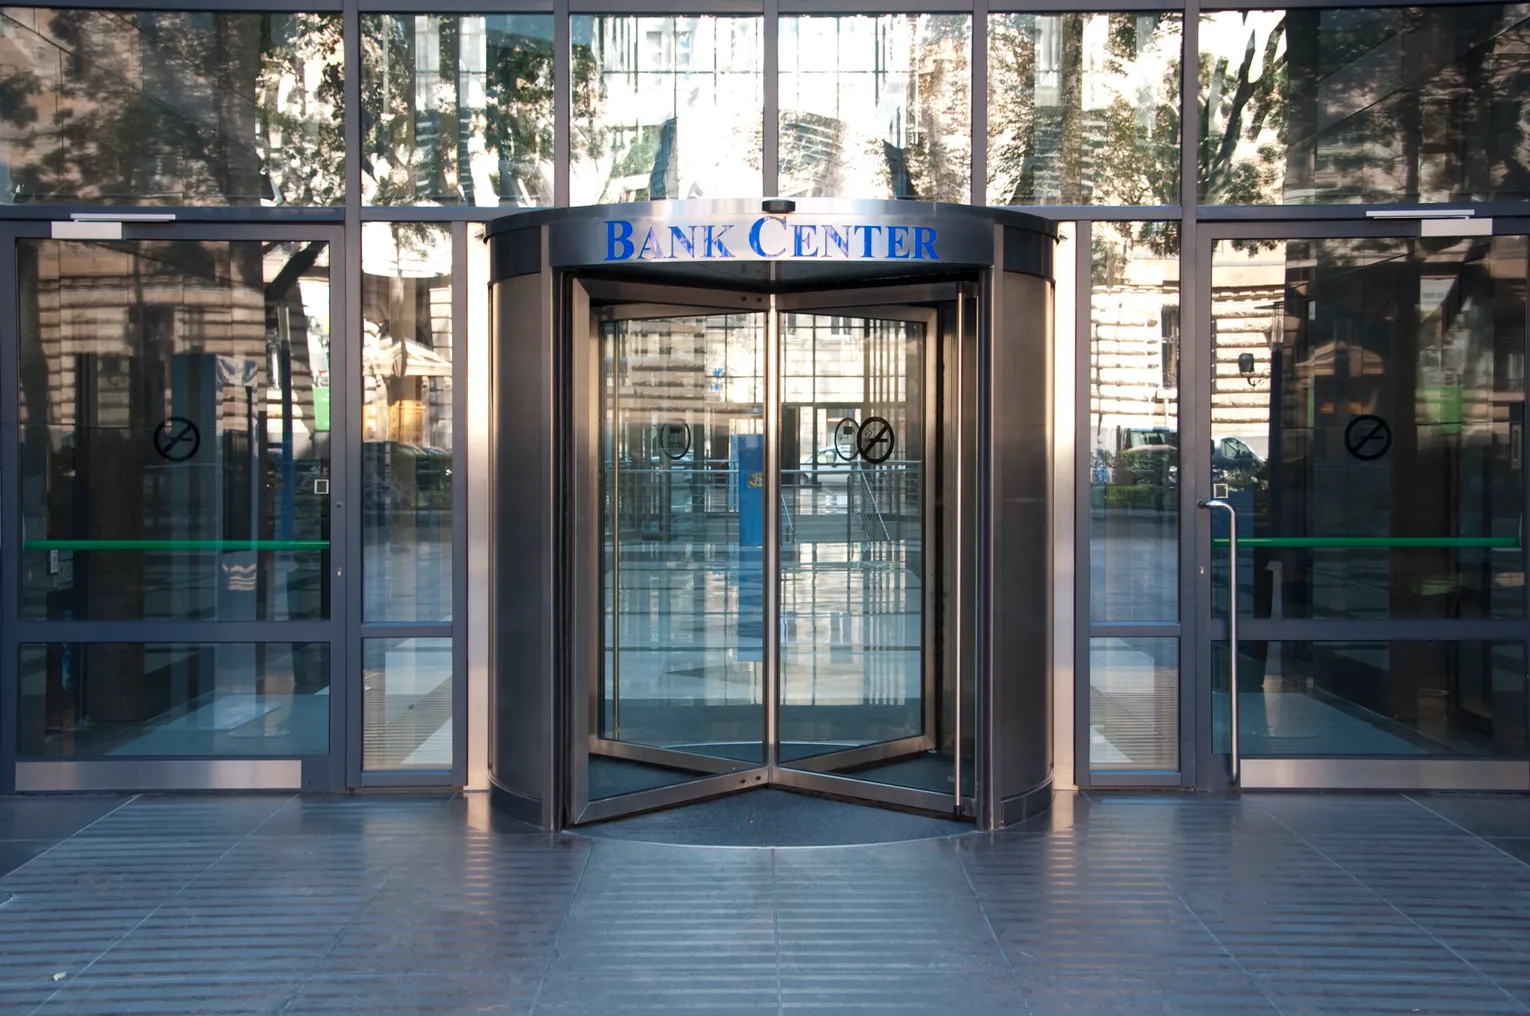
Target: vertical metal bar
[(1232, 631), (347, 613), (1083, 520), (959, 420), (979, 103), (770, 130), (459, 492), (1195, 381), (617, 333), (770, 629), (11, 526), (563, 102)]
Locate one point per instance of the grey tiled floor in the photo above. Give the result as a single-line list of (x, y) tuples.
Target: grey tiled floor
[(1145, 904)]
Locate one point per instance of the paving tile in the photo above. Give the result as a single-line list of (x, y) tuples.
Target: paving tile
[(52, 818), (1484, 815), (15, 853), (1517, 847), (1296, 904), (411, 994), (204, 996)]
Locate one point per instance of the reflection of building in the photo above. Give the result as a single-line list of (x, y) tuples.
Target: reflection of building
[(1134, 382)]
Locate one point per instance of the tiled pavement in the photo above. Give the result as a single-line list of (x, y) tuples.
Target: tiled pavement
[(1220, 906)]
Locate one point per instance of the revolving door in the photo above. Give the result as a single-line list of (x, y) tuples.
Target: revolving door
[(746, 513)]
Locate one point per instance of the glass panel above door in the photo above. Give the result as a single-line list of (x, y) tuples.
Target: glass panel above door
[(665, 107), (172, 107), (175, 430), (1367, 422), (1328, 104), (876, 106)]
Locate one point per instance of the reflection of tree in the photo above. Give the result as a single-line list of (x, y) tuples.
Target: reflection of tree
[(707, 66), (419, 131), (1045, 147), (912, 139), (939, 103), (177, 108), (1373, 105)]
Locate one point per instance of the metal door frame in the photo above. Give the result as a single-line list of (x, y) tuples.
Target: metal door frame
[(257, 772), (1203, 630), (648, 301)]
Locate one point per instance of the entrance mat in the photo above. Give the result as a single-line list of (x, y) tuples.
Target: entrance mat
[(774, 818)]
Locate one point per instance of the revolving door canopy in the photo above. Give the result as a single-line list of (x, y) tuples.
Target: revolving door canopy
[(771, 506)]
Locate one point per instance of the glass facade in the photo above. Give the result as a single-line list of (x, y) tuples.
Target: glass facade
[(175, 430), (457, 110), (1380, 699), (876, 107), (1083, 109), (1349, 377), (665, 108), (122, 700), (406, 422), (171, 107), (238, 470), (1326, 105)]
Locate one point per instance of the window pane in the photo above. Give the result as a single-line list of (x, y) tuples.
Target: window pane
[(1134, 705), (406, 704), (666, 108), (1083, 109), (175, 699), (877, 107), (457, 110), (1373, 698), (1367, 420), (171, 107), (1369, 104), (406, 460), (174, 400), (1134, 422)]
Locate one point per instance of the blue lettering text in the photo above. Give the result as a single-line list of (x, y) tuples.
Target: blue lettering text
[(868, 234), (838, 239), (714, 242), (804, 241), (897, 242), (651, 244), (618, 240), (683, 237), (756, 242), (924, 244)]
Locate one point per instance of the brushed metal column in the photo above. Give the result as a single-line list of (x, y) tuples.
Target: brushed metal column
[(770, 627)]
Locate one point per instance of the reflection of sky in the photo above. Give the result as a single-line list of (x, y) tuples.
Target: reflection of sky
[(706, 73)]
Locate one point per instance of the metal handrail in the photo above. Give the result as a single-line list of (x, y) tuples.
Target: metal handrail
[(1232, 629), (876, 512)]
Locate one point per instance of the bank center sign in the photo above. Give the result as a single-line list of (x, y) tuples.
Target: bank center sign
[(771, 238)]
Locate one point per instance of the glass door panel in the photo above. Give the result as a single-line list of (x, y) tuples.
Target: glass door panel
[(682, 526), (174, 465), (1366, 424), (856, 677)]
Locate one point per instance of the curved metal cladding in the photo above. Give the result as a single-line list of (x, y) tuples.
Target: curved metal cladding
[(1001, 622)]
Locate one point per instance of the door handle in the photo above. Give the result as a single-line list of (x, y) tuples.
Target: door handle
[(1232, 628)]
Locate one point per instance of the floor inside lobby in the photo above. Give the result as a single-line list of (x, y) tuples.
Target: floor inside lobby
[(384, 904)]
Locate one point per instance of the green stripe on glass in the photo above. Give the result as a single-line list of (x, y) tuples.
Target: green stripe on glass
[(192, 546), (1376, 542)]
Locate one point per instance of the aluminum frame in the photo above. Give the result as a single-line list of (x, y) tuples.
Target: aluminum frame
[(1318, 772), (324, 772), (594, 301)]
